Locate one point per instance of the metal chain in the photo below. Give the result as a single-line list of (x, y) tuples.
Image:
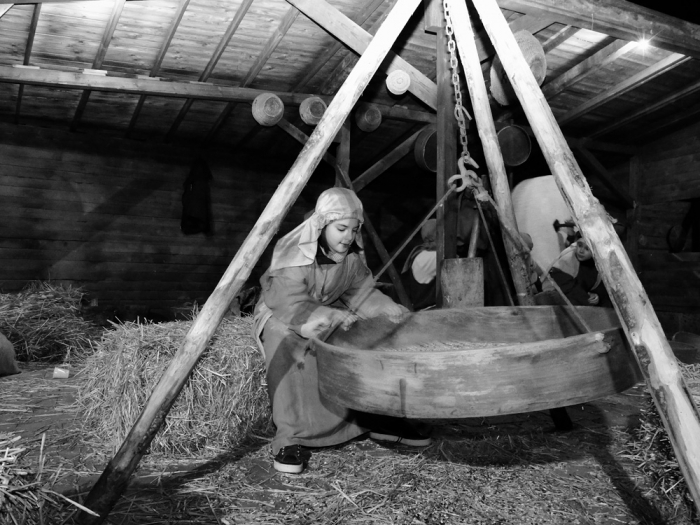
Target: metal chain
[(460, 111)]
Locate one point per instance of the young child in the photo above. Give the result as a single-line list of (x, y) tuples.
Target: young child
[(419, 270), (575, 273), (318, 281)]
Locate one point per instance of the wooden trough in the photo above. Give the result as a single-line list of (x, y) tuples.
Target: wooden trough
[(457, 363)]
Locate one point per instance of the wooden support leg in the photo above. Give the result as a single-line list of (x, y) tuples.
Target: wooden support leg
[(115, 477), (464, 35), (652, 350), (446, 235)]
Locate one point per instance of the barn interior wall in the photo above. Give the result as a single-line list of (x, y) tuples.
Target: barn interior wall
[(105, 216), (668, 180)]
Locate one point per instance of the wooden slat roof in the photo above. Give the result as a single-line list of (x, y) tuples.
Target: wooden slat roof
[(175, 70)]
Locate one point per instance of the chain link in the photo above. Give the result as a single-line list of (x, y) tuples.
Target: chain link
[(461, 114)]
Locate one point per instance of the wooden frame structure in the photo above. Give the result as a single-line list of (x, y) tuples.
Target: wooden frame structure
[(678, 412)]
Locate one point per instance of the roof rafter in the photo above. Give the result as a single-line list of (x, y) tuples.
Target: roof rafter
[(559, 38), (618, 18), (154, 87), (646, 110), (356, 38), (216, 56), (661, 67), (99, 57), (605, 56), (330, 51), (27, 55), (272, 43), (181, 8)]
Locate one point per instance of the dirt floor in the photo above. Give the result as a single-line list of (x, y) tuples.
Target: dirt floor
[(498, 470)]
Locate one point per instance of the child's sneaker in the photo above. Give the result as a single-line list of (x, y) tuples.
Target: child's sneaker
[(290, 459)]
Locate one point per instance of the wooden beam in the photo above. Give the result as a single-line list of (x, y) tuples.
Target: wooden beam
[(646, 110), (447, 153), (342, 161), (617, 18), (590, 65), (464, 35), (586, 142), (650, 73), (657, 362), (181, 8), (99, 57), (216, 56), (27, 55), (331, 50), (357, 39), (152, 86), (606, 177), (531, 24), (599, 60), (559, 38), (115, 477), (262, 59), (386, 162)]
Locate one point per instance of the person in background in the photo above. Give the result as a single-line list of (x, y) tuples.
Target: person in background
[(419, 270), (577, 276), (317, 282)]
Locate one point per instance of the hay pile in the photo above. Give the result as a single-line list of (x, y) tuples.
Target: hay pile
[(223, 401), (43, 323), (24, 497), (652, 450)]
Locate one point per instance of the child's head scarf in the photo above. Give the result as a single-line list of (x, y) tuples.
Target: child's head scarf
[(298, 247)]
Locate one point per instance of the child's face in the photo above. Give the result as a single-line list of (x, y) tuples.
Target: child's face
[(583, 252), (341, 234)]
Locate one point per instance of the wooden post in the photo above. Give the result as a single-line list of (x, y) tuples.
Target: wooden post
[(464, 35), (115, 477), (652, 350), (446, 232)]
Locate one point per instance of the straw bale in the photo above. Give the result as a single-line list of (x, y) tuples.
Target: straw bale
[(43, 322), (223, 401)]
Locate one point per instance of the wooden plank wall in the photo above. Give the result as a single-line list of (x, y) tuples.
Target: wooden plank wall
[(105, 215), (670, 175)]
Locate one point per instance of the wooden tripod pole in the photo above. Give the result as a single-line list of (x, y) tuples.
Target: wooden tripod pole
[(464, 35), (115, 477), (651, 348)]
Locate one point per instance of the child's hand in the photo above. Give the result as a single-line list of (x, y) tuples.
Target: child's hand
[(593, 299), (349, 319), (315, 327), (395, 312)]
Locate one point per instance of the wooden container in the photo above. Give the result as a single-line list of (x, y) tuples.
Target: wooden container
[(368, 117), (268, 109), (515, 145), (476, 362), (425, 149), (311, 110), (398, 82)]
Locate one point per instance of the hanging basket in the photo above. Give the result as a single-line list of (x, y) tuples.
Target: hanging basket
[(534, 55), (398, 82), (515, 145), (311, 110), (425, 149), (368, 117), (268, 109)]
